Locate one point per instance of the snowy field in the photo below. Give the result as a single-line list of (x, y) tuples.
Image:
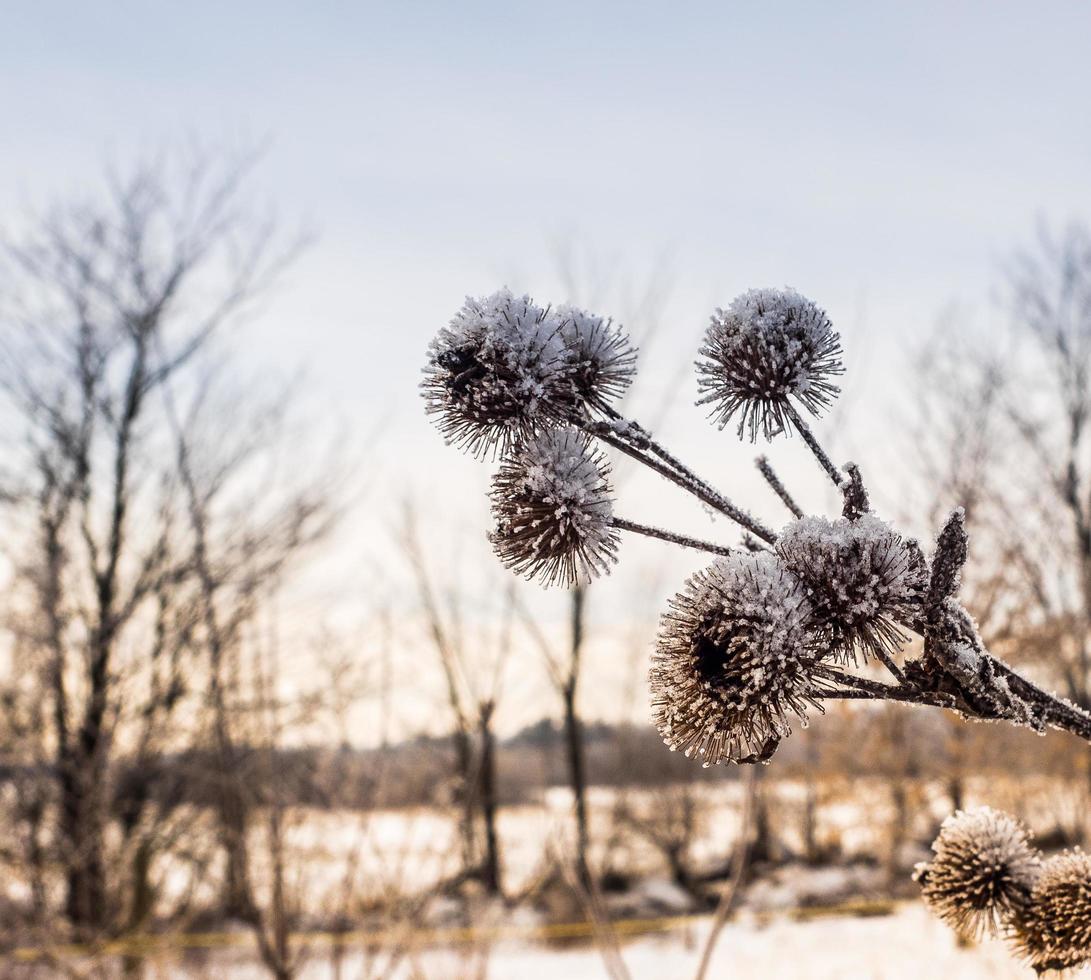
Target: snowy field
[(412, 848), (907, 945), (337, 859)]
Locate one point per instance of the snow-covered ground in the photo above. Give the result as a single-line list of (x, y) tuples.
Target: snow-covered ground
[(907, 945), (410, 848)]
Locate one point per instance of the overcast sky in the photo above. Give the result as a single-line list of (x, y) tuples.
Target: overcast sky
[(883, 158)]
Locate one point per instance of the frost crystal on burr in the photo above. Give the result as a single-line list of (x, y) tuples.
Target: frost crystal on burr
[(1053, 930), (602, 361), (982, 873), (861, 577), (769, 345), (552, 507), (733, 659), (497, 373)]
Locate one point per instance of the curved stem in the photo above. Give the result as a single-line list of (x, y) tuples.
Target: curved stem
[(812, 443)]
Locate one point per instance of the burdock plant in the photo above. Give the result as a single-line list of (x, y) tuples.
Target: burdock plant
[(737, 654), (986, 876), (780, 621), (982, 874), (1052, 929)]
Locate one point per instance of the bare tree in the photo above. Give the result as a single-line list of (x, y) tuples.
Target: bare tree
[(247, 529), (108, 301), (473, 691), (672, 820), (586, 279), (1007, 441)]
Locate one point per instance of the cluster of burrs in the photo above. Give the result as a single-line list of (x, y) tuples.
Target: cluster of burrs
[(776, 624), (987, 878)]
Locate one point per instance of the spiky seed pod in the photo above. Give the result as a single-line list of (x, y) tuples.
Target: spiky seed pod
[(552, 507), (861, 577), (602, 359), (733, 659), (498, 373), (768, 346), (982, 873), (1053, 929)]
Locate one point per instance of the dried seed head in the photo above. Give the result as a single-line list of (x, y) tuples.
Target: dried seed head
[(952, 547), (551, 502), (602, 360), (733, 659), (768, 346), (497, 373), (1053, 930), (860, 575), (982, 873)]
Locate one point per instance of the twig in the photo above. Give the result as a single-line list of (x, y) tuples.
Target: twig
[(727, 897), (888, 662), (809, 438), (861, 688), (683, 478), (1055, 711), (671, 536), (767, 471)]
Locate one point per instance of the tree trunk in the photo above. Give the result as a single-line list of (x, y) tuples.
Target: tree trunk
[(143, 897), (490, 872), (236, 900), (233, 814), (899, 828), (466, 794), (83, 802), (956, 784), (577, 776), (956, 792), (81, 830), (761, 844), (810, 822)]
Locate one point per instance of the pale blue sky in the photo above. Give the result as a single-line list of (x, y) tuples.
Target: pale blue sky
[(891, 151), (881, 157)]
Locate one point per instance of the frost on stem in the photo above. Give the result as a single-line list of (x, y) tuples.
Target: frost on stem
[(1053, 929), (602, 360), (768, 346), (982, 873), (952, 642), (552, 507), (854, 494), (733, 659), (861, 577)]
